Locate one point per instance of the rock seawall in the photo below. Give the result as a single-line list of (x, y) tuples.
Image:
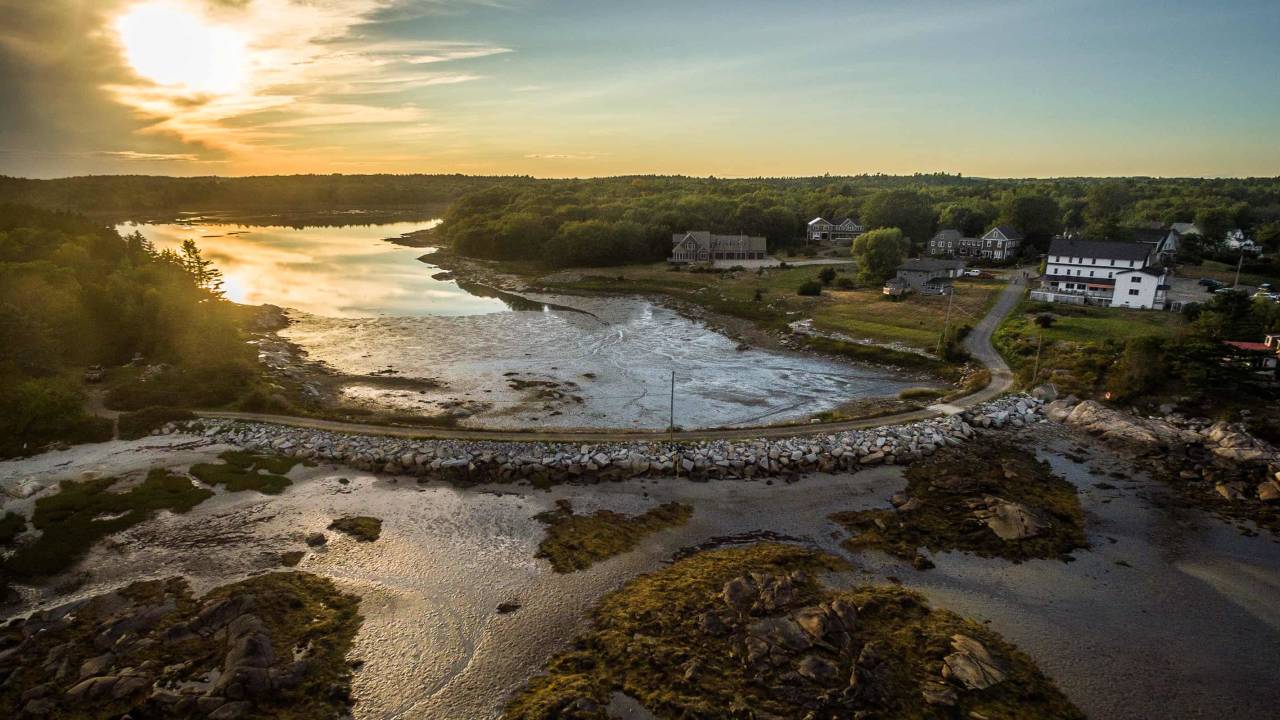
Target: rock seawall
[(541, 462)]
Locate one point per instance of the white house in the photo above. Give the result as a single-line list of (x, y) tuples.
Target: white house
[(841, 233), (704, 246), (1091, 272)]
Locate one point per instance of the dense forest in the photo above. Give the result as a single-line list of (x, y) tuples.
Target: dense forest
[(616, 220), (73, 293), (130, 196)]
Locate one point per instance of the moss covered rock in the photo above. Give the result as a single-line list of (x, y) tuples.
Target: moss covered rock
[(751, 632)]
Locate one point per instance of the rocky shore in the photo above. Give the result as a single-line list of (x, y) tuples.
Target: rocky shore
[(1215, 465), (550, 463)]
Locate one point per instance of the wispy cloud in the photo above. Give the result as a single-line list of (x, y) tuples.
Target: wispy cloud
[(151, 157), (560, 156), (310, 66)]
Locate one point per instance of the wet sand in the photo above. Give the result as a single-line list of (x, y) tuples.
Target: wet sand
[(1188, 629)]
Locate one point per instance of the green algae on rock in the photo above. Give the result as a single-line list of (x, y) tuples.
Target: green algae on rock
[(272, 646), (360, 527), (576, 542), (750, 632), (991, 499), (81, 513), (241, 470)]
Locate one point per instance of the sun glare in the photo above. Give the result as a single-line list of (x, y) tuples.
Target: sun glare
[(173, 46)]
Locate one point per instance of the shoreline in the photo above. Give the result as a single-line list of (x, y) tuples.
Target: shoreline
[(740, 330)]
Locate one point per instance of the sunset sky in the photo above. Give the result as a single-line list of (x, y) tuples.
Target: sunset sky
[(585, 88)]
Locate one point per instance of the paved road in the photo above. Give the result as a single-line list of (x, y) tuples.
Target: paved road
[(978, 342)]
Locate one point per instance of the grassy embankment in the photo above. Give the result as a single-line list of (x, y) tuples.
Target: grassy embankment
[(864, 314), (1080, 343)]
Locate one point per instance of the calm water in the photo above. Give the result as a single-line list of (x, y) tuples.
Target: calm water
[(331, 271), (368, 307)]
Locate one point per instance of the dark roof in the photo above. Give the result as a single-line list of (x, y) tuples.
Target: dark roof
[(1149, 235), (1008, 232), (948, 234), (1099, 249)]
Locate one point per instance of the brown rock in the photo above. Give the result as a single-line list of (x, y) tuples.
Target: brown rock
[(939, 694), (819, 670), (971, 665)]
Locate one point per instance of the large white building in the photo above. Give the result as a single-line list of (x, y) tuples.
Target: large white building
[(1090, 272)]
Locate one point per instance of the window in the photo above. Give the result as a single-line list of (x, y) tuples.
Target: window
[(1135, 291), (1135, 278)]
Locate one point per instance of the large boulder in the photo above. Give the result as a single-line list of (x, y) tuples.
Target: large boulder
[(1125, 430), (1010, 520), (971, 665)]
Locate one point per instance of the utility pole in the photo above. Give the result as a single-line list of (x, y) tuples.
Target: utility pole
[(946, 321), (1239, 265), (1035, 375), (671, 425)]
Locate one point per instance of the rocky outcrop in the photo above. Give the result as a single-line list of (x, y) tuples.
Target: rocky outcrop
[(1125, 430), (1009, 520), (153, 650), (540, 462), (971, 665)]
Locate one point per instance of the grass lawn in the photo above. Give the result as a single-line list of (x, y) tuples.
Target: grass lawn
[(1080, 345), (862, 313)]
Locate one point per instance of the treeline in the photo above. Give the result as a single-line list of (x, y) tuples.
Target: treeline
[(617, 220), (624, 219), (73, 293), (128, 196)]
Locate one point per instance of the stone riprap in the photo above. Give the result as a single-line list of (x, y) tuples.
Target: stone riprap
[(488, 461)]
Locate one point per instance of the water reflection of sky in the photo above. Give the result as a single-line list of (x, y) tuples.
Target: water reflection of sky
[(332, 271)]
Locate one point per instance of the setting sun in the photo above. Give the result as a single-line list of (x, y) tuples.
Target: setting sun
[(171, 45)]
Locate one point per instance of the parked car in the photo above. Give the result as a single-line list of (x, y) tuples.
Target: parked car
[(973, 272), (1214, 285), (1225, 290), (94, 374), (1207, 281)]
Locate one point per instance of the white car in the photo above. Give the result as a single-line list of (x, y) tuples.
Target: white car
[(972, 272)]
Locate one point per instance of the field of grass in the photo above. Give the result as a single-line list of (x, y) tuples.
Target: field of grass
[(862, 313), (1080, 344)]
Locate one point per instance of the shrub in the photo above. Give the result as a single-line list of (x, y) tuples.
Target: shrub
[(1045, 320), (920, 393), (827, 275), (45, 410), (845, 283), (810, 288), (140, 423)]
